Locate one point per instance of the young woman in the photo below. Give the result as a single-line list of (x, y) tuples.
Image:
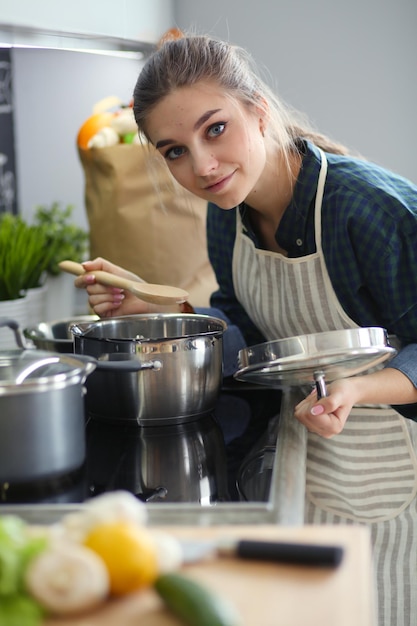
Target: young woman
[(304, 238)]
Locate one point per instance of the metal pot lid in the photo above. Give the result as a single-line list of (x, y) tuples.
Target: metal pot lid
[(29, 369), (295, 361)]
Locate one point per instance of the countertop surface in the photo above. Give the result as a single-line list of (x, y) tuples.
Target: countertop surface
[(284, 505), (265, 594)]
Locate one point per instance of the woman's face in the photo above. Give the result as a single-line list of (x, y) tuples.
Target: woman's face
[(212, 144)]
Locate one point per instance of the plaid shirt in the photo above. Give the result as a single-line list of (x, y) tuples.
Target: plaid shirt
[(369, 241)]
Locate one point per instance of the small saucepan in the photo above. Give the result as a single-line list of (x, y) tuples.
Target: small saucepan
[(56, 335), (42, 414)]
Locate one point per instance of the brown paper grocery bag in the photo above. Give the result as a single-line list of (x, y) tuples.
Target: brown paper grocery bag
[(154, 230)]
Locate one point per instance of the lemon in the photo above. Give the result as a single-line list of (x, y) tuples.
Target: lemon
[(129, 553)]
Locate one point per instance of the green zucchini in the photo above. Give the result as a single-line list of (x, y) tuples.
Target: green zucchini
[(193, 603)]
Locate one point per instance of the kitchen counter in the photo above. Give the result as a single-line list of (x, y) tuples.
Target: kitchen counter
[(291, 595), (266, 594), (284, 506)]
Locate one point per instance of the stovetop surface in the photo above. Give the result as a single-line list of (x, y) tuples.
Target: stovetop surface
[(202, 461)]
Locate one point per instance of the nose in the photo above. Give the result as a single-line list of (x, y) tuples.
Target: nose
[(204, 162)]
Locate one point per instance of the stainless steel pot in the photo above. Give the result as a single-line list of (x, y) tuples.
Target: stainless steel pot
[(42, 416), (56, 335), (189, 349)]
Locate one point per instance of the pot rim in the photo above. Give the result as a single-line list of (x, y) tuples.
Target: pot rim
[(85, 330)]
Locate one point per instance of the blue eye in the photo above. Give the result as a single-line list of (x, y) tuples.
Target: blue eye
[(216, 129), (174, 153)]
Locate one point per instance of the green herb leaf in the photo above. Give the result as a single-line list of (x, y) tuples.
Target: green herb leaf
[(28, 252), (20, 610), (68, 241), (16, 551)]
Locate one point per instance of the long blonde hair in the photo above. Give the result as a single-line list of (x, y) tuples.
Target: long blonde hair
[(191, 59)]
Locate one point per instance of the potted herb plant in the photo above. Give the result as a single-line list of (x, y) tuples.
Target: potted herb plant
[(67, 240), (24, 258), (32, 286)]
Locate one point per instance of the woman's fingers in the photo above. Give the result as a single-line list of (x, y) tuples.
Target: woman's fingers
[(106, 309), (97, 295), (102, 264), (82, 282), (325, 417), (326, 425)]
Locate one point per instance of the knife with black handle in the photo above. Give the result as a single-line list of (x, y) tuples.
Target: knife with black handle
[(306, 554), (284, 552)]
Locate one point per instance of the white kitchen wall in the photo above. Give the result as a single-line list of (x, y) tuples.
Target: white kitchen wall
[(141, 20), (54, 92), (350, 66)]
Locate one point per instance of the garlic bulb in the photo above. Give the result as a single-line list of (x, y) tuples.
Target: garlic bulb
[(67, 579)]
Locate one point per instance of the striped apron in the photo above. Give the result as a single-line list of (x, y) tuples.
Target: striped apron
[(368, 473)]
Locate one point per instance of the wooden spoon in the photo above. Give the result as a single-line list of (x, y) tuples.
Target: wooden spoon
[(158, 294)]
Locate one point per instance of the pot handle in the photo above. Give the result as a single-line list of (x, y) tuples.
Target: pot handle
[(14, 326), (130, 365), (320, 384)]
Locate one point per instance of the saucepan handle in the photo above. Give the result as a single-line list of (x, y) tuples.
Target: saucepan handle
[(126, 365), (14, 326)]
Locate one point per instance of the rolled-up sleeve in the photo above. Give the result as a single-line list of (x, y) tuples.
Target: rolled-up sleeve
[(406, 362)]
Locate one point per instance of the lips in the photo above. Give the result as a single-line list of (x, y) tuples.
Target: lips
[(219, 185)]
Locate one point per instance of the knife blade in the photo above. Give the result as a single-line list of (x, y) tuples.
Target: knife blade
[(306, 554)]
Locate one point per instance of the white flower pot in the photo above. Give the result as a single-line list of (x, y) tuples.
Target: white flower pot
[(60, 297), (37, 304)]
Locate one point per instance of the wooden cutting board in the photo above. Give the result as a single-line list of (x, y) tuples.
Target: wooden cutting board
[(265, 594)]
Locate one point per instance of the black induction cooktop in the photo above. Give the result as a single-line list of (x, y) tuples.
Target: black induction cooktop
[(204, 461)]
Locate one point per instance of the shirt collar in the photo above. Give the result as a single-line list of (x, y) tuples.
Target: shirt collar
[(292, 232)]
